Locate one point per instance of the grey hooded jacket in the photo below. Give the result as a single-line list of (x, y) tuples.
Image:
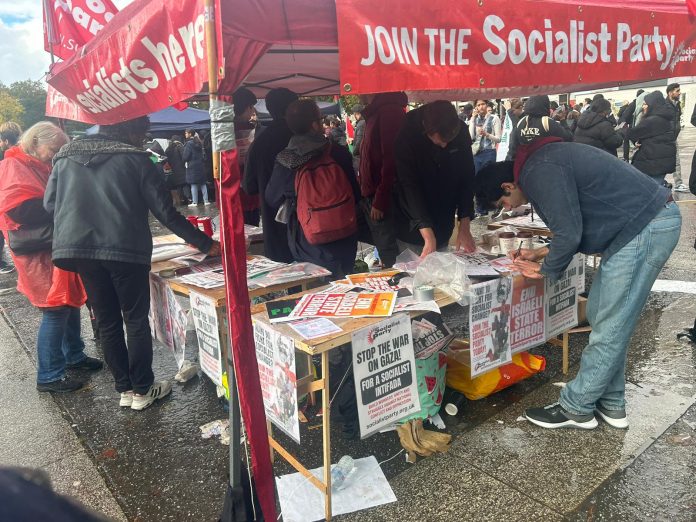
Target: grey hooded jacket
[(100, 193)]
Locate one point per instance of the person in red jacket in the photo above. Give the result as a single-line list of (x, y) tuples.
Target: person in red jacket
[(383, 118)]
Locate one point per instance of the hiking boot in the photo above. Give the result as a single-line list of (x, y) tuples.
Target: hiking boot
[(64, 385), (126, 399), (89, 364), (555, 416), (614, 418), (157, 391), (679, 188)]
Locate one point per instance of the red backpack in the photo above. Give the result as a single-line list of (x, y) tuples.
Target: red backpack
[(325, 201)]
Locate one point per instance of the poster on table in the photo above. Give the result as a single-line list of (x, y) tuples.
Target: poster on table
[(345, 305), (562, 300), (167, 318), (489, 325), (205, 320), (377, 281), (430, 334), (275, 354), (384, 373), (527, 325)]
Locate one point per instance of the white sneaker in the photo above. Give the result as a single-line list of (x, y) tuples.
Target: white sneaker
[(157, 391), (126, 399), (207, 203), (193, 205), (681, 188)]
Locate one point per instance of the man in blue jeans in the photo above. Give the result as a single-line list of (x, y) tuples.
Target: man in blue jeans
[(593, 203)]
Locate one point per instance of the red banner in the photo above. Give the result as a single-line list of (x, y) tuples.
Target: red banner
[(440, 44), (151, 56), (70, 24)]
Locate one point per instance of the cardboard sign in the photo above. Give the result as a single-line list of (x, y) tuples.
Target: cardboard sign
[(279, 310), (527, 313), (489, 325), (384, 373)]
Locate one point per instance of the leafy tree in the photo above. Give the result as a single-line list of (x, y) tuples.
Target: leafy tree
[(32, 95), (10, 107)]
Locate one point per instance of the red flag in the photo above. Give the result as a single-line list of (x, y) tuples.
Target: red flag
[(68, 25), (180, 106), (691, 6)]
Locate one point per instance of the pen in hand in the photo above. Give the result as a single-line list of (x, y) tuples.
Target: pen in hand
[(519, 251)]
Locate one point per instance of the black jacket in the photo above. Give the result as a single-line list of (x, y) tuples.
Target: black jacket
[(257, 174), (531, 125), (337, 256), (358, 136), (657, 154), (677, 109), (100, 192), (176, 163), (432, 184), (596, 130), (193, 156)]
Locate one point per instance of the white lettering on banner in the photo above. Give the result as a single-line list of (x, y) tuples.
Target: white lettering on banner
[(82, 17), (182, 49), (567, 45)]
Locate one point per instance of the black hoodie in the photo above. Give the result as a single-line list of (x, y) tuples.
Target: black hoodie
[(537, 110), (657, 154), (596, 130), (100, 194)]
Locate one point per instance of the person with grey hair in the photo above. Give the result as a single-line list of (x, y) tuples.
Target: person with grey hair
[(24, 174), (111, 249)]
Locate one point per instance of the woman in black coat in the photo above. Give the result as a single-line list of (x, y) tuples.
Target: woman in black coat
[(654, 136), (596, 130), (195, 173), (177, 175)]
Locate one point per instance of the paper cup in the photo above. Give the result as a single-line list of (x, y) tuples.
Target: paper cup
[(507, 242)]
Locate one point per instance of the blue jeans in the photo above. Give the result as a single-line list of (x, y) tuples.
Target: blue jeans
[(194, 192), (59, 343), (619, 291)]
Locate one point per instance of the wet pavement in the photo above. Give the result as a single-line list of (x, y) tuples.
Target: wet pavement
[(157, 468)]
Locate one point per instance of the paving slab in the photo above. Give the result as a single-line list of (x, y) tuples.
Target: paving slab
[(447, 489), (34, 434)]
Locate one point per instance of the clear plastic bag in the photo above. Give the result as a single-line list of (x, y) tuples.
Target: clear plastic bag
[(447, 272)]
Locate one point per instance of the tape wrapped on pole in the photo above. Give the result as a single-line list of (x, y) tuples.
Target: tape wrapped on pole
[(222, 125)]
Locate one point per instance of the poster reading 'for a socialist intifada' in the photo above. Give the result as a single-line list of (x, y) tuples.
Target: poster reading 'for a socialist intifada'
[(385, 373)]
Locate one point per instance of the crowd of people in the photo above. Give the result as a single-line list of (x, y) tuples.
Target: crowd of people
[(411, 179)]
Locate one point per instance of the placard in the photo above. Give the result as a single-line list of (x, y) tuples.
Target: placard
[(167, 318), (527, 325), (562, 301), (430, 334), (344, 305), (384, 373), (375, 281), (205, 320), (275, 354), (489, 321)]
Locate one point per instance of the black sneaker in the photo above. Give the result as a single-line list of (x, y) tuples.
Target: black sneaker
[(88, 363), (64, 385), (6, 268), (555, 416), (614, 418)]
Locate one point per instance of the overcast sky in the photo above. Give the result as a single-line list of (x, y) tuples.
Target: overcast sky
[(22, 55)]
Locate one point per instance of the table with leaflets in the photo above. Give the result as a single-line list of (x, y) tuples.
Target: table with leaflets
[(507, 314)]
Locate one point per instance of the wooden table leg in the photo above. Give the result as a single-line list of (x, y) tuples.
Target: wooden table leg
[(566, 343), (310, 368), (326, 429), (269, 428)]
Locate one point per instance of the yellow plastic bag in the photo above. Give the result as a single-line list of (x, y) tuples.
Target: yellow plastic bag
[(523, 365)]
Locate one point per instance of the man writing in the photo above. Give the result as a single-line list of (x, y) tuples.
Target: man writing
[(573, 188)]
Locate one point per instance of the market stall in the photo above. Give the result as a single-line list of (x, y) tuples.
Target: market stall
[(153, 54)]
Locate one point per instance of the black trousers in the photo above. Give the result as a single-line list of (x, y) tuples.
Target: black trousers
[(381, 234), (120, 293)]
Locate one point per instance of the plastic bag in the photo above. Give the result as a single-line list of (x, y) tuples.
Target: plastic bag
[(522, 366), (447, 272), (407, 261), (430, 375)]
